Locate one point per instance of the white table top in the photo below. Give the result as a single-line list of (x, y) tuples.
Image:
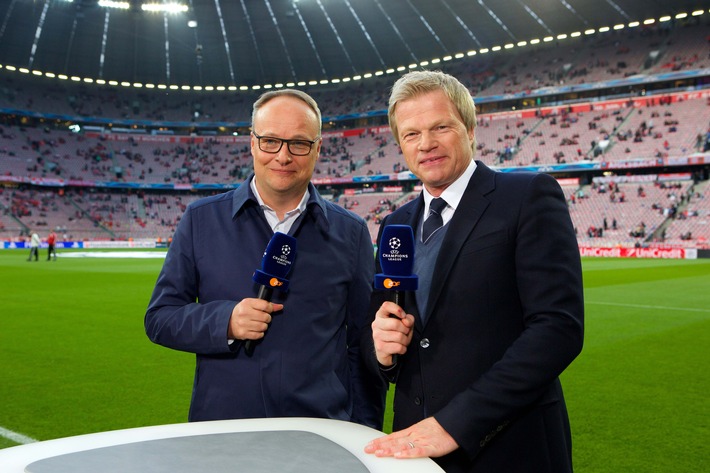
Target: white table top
[(352, 437)]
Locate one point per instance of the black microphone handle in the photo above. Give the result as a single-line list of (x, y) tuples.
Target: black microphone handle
[(265, 293), (397, 298)]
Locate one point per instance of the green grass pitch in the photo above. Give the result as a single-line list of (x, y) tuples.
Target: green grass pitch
[(75, 358)]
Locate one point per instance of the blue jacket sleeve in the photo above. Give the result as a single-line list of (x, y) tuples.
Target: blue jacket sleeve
[(369, 389), (175, 318)]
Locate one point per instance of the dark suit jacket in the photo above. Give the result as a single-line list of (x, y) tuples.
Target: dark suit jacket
[(505, 319)]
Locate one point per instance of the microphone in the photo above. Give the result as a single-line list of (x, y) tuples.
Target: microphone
[(396, 254), (275, 266)]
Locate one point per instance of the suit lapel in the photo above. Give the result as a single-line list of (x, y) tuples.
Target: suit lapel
[(468, 213)]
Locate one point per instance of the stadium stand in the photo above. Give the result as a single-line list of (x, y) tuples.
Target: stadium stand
[(141, 157)]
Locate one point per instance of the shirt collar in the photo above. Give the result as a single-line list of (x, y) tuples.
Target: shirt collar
[(245, 193), (452, 194)]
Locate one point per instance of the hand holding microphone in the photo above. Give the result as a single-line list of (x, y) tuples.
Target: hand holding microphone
[(275, 266), (392, 328)]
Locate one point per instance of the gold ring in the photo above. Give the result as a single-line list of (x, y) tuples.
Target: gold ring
[(411, 444)]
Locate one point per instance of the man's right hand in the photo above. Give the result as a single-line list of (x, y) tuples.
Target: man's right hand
[(392, 331), (251, 318)]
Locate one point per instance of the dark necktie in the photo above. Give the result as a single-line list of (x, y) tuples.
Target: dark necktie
[(434, 220)]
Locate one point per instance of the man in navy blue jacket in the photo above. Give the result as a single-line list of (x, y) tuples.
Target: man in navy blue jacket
[(308, 363)]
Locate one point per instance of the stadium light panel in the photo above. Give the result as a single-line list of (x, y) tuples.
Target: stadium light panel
[(649, 21), (367, 76), (323, 81), (255, 87), (150, 86), (164, 7), (280, 85), (562, 36), (125, 84), (24, 70), (114, 4), (471, 53), (496, 48), (534, 41), (112, 82), (75, 78), (604, 29), (346, 79), (268, 86), (520, 44), (36, 72), (664, 18), (301, 83), (401, 68), (100, 81), (575, 34), (185, 87), (312, 82), (447, 58), (377, 73), (197, 87), (436, 60), (62, 77), (483, 51), (426, 63), (634, 24), (590, 31), (390, 71), (173, 87), (412, 66), (88, 80), (458, 55), (335, 81), (51, 75), (619, 27), (697, 12), (547, 39), (221, 88), (357, 77), (680, 16)]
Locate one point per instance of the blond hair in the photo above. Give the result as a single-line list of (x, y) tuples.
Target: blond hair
[(416, 83)]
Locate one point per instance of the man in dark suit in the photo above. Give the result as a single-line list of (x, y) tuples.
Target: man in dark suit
[(477, 350)]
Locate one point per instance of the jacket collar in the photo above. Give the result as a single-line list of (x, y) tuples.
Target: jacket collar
[(316, 206)]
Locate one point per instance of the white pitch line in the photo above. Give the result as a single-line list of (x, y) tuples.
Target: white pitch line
[(641, 306), (15, 437)]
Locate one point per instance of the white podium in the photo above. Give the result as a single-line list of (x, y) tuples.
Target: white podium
[(282, 445)]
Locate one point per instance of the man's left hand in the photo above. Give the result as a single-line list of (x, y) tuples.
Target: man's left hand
[(424, 439)]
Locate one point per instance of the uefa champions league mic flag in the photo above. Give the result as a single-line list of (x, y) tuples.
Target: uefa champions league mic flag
[(396, 255), (276, 263)]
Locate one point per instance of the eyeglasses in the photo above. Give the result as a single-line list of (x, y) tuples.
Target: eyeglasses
[(270, 144)]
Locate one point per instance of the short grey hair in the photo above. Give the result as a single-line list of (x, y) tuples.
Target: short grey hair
[(299, 94)]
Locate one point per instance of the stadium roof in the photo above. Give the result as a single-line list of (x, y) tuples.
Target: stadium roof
[(278, 42)]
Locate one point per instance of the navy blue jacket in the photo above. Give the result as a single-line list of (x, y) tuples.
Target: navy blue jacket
[(309, 362)]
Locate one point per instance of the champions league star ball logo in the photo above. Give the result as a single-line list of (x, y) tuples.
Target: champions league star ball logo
[(285, 250), (394, 243)]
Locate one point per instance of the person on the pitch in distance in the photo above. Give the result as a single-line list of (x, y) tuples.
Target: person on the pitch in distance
[(477, 350)]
